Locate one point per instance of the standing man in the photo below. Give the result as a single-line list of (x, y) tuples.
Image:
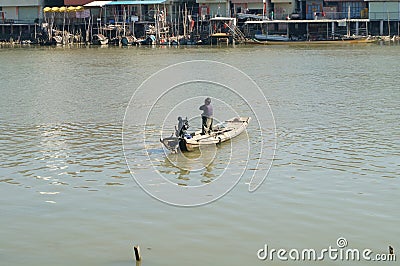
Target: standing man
[(206, 117)]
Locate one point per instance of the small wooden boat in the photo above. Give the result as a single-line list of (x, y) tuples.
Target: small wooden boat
[(276, 38), (99, 39), (317, 42), (128, 40), (149, 40), (56, 40), (220, 133)]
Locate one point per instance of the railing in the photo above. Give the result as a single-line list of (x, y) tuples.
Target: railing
[(394, 16), (324, 15), (19, 21), (363, 14), (338, 15)]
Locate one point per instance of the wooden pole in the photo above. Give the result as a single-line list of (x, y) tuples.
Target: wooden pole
[(179, 21), (327, 30), (63, 30), (50, 28), (91, 27), (348, 24), (136, 251), (308, 33), (388, 22), (184, 21), (124, 18), (157, 20), (357, 26)]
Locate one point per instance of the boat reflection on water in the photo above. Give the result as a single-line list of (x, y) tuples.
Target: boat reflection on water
[(198, 158), (187, 169)]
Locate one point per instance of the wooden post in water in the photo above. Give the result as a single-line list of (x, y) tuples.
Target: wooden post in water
[(136, 251)]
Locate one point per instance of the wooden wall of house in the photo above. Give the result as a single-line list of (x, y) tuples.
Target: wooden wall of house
[(52, 3)]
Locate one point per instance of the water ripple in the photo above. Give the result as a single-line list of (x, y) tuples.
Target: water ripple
[(356, 150), (62, 154)]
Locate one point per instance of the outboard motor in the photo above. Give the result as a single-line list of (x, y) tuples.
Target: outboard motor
[(183, 126), (172, 143)]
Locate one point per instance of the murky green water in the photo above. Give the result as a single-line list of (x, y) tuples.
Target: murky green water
[(67, 196)]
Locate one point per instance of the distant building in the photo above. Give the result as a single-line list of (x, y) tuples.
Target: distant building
[(248, 6), (24, 11), (339, 9), (54, 3), (384, 16), (384, 10), (21, 11), (213, 8), (283, 8)]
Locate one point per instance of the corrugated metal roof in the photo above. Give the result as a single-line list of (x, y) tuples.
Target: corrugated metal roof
[(146, 2), (76, 2), (97, 3), (306, 21)]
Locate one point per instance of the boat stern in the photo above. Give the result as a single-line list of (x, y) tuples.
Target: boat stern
[(171, 143)]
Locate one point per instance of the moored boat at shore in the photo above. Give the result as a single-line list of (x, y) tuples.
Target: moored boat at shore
[(99, 39), (316, 31), (265, 37), (344, 40)]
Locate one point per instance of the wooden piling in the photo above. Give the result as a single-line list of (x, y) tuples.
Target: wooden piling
[(391, 252), (136, 251)]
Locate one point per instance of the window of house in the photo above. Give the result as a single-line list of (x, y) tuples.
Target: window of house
[(355, 9), (313, 10)]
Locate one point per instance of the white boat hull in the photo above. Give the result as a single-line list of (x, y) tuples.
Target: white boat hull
[(276, 38), (226, 131)]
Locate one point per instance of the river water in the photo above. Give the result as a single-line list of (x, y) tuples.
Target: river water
[(68, 197)]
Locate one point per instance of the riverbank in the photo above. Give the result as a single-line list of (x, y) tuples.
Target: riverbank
[(379, 40)]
